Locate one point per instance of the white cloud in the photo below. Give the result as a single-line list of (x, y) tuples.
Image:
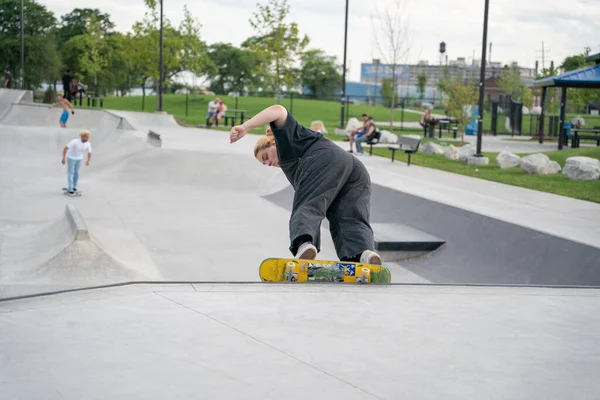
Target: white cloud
[(516, 27)]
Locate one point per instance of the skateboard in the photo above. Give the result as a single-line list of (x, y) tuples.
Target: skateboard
[(66, 192), (294, 270)]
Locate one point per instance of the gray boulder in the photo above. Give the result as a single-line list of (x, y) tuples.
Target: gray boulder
[(465, 152), (506, 159), (451, 153), (539, 164), (582, 169), (432, 148)]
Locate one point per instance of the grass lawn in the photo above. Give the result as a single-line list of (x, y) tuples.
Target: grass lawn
[(557, 184), (306, 111)]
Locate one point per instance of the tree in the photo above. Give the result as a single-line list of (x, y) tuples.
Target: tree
[(234, 68), (42, 62), (510, 82), (319, 73), (461, 94), (144, 48), (387, 89), (278, 45), (421, 82), (193, 57), (93, 51), (393, 43), (77, 23), (576, 96)]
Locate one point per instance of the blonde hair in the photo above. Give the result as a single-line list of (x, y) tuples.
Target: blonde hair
[(264, 142), (85, 132)]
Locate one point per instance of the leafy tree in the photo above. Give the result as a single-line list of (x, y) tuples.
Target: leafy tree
[(510, 82), (577, 97), (319, 73), (234, 68), (77, 23), (144, 49), (461, 94), (193, 57), (42, 62), (278, 45), (94, 51), (393, 42), (387, 90), (421, 82)]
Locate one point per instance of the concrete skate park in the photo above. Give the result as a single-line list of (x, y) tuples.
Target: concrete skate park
[(147, 285)]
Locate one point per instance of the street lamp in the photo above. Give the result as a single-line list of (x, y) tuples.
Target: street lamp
[(344, 70), (160, 72), (21, 80), (482, 81)]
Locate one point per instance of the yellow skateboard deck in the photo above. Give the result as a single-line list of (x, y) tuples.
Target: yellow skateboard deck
[(296, 270)]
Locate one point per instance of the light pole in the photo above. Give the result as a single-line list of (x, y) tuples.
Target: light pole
[(482, 81), (160, 72), (344, 70), (21, 80)]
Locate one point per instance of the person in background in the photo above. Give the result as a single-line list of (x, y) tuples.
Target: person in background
[(8, 79), (73, 155), (66, 81)]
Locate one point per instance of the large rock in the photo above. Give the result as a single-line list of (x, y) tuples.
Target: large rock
[(318, 126), (451, 153), (506, 159), (351, 125), (582, 169), (388, 137), (539, 164), (432, 148), (465, 152)]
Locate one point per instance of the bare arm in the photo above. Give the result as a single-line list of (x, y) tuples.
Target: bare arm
[(64, 156), (89, 158), (276, 114)]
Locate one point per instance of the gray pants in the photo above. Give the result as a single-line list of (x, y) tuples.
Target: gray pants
[(331, 183)]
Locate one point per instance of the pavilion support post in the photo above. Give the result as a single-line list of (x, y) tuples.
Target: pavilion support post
[(541, 132), (563, 102)]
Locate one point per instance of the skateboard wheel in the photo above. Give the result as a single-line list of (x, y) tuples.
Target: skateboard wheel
[(290, 276), (365, 276)]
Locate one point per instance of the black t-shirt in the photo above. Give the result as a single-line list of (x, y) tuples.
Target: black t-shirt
[(67, 81), (293, 139), (8, 76)]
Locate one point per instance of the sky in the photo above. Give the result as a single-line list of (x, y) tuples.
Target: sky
[(516, 28)]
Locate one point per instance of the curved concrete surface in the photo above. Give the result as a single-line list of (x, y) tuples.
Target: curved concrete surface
[(200, 209)]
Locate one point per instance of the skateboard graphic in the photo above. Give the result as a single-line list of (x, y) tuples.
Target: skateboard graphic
[(312, 271), (66, 192)]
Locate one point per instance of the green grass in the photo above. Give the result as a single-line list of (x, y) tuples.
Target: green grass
[(306, 111), (557, 184)]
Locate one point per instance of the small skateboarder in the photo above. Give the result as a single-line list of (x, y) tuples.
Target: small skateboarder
[(328, 182), (66, 105), (73, 155)]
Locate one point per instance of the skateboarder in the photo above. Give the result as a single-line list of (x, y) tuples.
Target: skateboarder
[(73, 155), (328, 182), (66, 105)]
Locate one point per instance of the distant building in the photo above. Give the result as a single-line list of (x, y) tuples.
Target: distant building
[(373, 73)]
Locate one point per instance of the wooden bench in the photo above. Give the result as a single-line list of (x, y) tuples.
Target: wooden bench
[(374, 140), (591, 134), (407, 144)]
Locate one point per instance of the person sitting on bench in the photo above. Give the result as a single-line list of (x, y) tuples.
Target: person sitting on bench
[(368, 135), (358, 131)]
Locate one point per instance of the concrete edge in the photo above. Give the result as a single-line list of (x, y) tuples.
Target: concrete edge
[(77, 223), (154, 138), (299, 286)]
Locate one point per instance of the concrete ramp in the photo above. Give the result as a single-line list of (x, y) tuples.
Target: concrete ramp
[(34, 114), (58, 255), (10, 96)]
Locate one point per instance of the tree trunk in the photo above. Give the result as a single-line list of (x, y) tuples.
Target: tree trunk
[(392, 106)]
